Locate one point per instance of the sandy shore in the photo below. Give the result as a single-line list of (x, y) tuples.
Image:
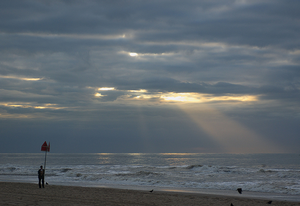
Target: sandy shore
[(30, 194)]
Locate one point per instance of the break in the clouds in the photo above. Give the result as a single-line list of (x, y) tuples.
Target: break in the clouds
[(150, 76)]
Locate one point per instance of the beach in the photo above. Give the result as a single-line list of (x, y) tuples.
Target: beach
[(31, 194)]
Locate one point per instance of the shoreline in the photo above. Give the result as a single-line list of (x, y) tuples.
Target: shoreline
[(13, 193), (230, 193)]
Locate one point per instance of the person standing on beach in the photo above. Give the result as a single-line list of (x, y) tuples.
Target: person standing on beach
[(41, 174)]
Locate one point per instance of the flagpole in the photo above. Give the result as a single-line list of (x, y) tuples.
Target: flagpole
[(45, 148), (45, 162)]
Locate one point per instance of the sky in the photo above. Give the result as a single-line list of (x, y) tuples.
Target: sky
[(159, 76)]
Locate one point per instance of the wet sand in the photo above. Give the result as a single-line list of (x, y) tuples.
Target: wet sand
[(31, 194)]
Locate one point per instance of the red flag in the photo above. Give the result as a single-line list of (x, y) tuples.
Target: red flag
[(45, 147)]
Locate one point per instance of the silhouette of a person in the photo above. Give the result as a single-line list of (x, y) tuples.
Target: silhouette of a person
[(41, 175)]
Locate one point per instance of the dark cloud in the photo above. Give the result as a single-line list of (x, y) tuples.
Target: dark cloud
[(238, 57)]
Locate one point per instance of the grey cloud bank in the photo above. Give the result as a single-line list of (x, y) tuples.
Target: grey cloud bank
[(150, 76)]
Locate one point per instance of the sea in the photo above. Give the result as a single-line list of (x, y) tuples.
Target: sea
[(275, 176)]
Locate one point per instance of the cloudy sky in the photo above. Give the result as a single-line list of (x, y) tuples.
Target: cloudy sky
[(150, 76)]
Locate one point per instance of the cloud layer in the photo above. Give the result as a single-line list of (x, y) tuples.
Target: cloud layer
[(164, 62)]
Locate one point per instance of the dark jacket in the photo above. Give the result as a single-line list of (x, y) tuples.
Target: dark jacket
[(41, 173)]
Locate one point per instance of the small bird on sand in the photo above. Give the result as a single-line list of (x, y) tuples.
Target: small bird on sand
[(46, 183), (151, 191), (270, 202), (239, 190)]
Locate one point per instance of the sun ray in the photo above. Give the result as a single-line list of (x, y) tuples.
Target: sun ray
[(232, 136), (144, 130)]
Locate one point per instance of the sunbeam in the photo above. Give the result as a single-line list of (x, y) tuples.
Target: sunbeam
[(144, 130), (231, 135)]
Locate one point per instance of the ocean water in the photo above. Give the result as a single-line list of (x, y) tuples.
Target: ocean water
[(264, 173)]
